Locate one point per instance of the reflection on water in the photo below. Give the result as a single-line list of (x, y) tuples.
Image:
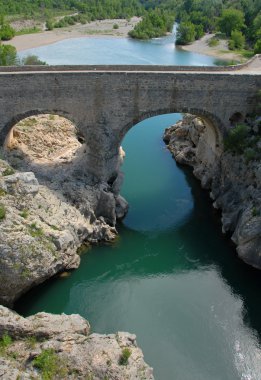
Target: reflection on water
[(171, 277)]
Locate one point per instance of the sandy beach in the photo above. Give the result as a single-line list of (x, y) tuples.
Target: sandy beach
[(104, 28), (220, 51), (99, 28)]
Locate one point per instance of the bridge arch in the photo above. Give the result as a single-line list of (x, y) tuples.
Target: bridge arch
[(6, 132), (210, 120)]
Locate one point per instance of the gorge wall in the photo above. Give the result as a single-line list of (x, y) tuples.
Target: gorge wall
[(234, 180)]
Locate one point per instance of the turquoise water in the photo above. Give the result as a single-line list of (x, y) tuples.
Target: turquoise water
[(172, 278), (87, 51)]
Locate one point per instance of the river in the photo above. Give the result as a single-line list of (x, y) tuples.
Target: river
[(171, 277)]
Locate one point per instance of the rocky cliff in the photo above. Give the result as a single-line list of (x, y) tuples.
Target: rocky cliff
[(234, 179), (47, 210), (46, 346)]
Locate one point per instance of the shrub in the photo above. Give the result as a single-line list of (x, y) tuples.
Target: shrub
[(124, 358), (50, 365), (2, 211), (255, 212), (32, 60), (49, 24), (115, 26), (5, 342), (8, 55), (8, 171), (237, 40), (257, 47), (6, 32), (235, 141), (212, 42), (250, 154)]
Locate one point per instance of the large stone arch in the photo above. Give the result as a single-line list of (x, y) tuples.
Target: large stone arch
[(214, 127)]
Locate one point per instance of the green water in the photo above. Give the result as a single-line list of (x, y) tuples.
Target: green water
[(172, 278)]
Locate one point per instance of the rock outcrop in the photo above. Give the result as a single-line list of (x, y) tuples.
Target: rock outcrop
[(47, 210), (62, 347), (234, 180)]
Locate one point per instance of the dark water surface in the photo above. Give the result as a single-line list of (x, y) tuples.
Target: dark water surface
[(172, 278)]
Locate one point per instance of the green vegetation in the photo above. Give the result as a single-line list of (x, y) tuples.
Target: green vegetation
[(186, 33), (50, 365), (8, 171), (236, 140), (24, 213), (32, 60), (226, 16), (5, 342), (154, 24), (93, 9), (2, 211), (115, 26), (32, 30), (8, 55), (255, 212), (213, 42), (237, 40), (230, 20), (35, 231), (241, 140), (124, 358), (195, 17)]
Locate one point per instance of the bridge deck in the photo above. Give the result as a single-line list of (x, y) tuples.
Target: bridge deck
[(252, 67)]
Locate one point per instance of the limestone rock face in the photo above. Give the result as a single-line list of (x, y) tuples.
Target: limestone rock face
[(41, 232), (234, 183), (78, 354)]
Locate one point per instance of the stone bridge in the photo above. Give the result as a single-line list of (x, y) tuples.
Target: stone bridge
[(104, 102)]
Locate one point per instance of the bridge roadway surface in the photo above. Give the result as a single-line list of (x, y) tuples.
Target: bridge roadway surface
[(253, 66)]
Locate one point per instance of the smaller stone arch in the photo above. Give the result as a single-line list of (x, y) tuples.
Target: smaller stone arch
[(6, 131)]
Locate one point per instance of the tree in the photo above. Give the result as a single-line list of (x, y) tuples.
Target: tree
[(257, 47), (237, 40), (6, 32), (231, 19), (186, 33), (8, 55)]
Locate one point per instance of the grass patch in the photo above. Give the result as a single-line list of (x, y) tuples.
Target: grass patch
[(28, 31), (24, 214), (124, 358), (2, 192), (2, 211), (35, 231), (50, 365), (5, 342)]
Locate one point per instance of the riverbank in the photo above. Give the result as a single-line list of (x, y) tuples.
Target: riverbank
[(98, 28), (220, 51)]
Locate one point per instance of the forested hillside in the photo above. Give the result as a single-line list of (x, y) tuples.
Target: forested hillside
[(239, 21)]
